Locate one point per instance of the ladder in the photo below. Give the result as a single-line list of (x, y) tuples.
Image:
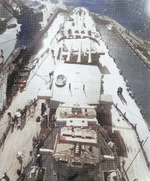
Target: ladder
[(43, 136)]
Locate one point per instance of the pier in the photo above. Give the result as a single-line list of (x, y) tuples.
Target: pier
[(19, 53)]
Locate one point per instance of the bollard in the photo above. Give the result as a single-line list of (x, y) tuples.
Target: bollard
[(127, 84), (121, 72), (125, 78), (133, 95)]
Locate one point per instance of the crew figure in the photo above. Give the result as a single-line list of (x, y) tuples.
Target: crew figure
[(19, 156), (11, 121), (43, 108), (18, 118), (6, 177), (39, 160), (120, 90)]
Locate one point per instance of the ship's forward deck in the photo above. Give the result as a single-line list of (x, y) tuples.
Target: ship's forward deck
[(38, 80), (83, 84)]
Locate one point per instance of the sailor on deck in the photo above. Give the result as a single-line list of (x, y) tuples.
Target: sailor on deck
[(120, 90)]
